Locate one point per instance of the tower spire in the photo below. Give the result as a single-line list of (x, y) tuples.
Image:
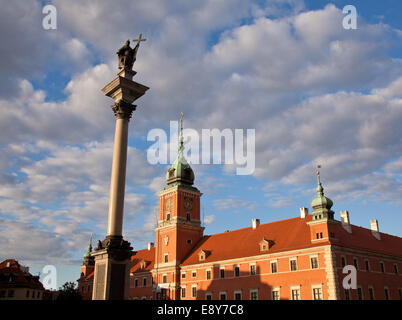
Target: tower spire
[(181, 143), (321, 204)]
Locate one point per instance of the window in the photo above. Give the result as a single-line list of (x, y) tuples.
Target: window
[(317, 293), (359, 293), (222, 273), (183, 275), (237, 295), (82, 289), (27, 295), (347, 294), (208, 274), (194, 291), (293, 265), (371, 293), (166, 257), (395, 268), (320, 235), (144, 282), (189, 241), (38, 295), (33, 294), (194, 274), (400, 293), (314, 262), (296, 294), (386, 291), (168, 216), (382, 267), (3, 293), (208, 296), (355, 263), (343, 261), (276, 294), (252, 269), (222, 296), (164, 278), (367, 265), (11, 293), (188, 216), (237, 271), (183, 292), (254, 294), (274, 267), (135, 283)]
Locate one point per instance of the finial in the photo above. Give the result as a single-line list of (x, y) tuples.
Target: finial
[(320, 189), (90, 243), (181, 133)]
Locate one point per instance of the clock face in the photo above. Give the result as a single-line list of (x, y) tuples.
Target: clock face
[(188, 203)]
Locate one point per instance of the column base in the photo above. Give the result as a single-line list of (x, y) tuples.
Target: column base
[(112, 269)]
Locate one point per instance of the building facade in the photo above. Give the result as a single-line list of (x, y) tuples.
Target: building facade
[(16, 283), (301, 258)]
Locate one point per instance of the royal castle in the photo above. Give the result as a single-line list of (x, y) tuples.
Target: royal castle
[(301, 258)]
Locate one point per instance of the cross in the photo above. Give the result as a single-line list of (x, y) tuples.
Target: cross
[(318, 168), (140, 38)]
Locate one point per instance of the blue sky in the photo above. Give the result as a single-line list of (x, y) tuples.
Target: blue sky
[(314, 92)]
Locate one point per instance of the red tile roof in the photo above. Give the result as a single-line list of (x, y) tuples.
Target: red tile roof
[(19, 278), (362, 238), (289, 234), (143, 255)]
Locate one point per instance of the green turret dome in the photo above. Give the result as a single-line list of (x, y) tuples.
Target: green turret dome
[(180, 171), (321, 204)]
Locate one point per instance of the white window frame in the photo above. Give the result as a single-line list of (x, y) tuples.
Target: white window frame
[(234, 270), (165, 257), (357, 292), (194, 274), (295, 288), (318, 262), (192, 291), (236, 292), (255, 268), (208, 294), (270, 265), (317, 286), (372, 288), (290, 264), (223, 292), (274, 289), (253, 291), (206, 274), (220, 274), (181, 292)]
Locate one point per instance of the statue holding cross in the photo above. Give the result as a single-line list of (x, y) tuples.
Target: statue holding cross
[(128, 55)]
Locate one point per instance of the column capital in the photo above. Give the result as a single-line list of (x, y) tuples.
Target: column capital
[(123, 109)]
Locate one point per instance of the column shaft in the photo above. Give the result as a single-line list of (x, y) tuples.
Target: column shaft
[(118, 179)]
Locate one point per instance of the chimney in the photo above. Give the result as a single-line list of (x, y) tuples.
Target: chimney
[(345, 221), (303, 212), (255, 223), (374, 229), (150, 245)]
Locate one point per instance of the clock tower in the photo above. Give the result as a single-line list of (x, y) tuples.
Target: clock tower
[(179, 224)]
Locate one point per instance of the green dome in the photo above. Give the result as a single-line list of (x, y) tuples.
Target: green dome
[(180, 171), (321, 204)]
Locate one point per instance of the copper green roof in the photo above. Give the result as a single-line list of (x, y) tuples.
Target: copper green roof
[(180, 171)]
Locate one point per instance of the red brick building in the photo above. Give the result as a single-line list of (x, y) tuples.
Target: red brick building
[(298, 258), (16, 283)]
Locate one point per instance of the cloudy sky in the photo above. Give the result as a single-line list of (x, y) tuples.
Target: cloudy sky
[(314, 92)]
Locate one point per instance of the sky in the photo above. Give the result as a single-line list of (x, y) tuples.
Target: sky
[(314, 92)]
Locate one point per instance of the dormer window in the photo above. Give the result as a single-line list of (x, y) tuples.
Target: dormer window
[(264, 245), (202, 255)]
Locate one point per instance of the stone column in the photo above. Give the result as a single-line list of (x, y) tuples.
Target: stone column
[(112, 256)]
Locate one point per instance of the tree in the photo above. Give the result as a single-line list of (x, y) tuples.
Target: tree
[(69, 291)]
